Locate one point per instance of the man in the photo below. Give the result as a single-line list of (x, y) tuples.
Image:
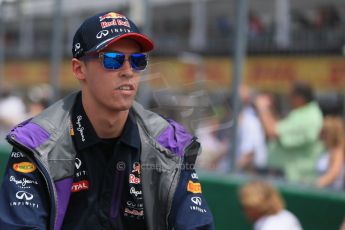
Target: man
[(252, 152), (95, 159), (293, 141)]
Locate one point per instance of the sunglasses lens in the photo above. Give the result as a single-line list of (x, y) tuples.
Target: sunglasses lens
[(138, 61), (113, 60)]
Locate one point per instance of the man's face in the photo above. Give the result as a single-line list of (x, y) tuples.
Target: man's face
[(295, 100), (113, 89)]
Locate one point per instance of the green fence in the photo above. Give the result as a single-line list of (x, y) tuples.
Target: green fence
[(316, 209)]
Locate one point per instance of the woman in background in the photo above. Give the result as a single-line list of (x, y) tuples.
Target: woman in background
[(331, 164), (264, 206)]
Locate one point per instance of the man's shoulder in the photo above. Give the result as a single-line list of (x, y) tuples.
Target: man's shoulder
[(165, 131)]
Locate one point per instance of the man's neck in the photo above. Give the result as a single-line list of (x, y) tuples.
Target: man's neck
[(107, 124)]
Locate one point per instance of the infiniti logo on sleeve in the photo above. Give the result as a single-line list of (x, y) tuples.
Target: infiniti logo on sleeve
[(196, 200)]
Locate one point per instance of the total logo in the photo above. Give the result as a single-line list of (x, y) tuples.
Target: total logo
[(80, 186)]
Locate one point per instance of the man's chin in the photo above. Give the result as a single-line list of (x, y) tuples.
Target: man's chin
[(122, 107)]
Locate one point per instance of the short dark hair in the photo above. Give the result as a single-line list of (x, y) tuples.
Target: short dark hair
[(303, 89)]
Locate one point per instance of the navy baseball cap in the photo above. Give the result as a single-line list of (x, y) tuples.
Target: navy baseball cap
[(101, 30)]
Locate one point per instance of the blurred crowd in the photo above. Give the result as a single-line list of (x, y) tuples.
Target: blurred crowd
[(321, 17), (16, 107), (304, 146)]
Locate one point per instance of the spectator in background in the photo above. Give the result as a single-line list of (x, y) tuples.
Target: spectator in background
[(293, 141), (252, 153), (38, 97), (214, 149), (264, 206), (255, 25), (12, 109), (327, 17), (331, 164)]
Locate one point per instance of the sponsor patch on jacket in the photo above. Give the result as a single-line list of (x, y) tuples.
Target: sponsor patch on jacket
[(71, 130), (193, 187), (80, 186), (24, 167)]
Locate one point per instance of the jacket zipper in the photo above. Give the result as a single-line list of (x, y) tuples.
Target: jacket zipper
[(170, 200), (42, 170), (175, 177)]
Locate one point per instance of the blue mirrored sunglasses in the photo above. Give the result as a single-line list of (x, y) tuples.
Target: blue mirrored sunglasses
[(115, 60)]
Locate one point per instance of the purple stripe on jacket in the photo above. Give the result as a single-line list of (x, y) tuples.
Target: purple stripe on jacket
[(29, 134), (175, 138), (63, 193)]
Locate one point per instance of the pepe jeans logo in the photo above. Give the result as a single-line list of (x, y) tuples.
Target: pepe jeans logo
[(136, 193), (80, 128), (22, 182)]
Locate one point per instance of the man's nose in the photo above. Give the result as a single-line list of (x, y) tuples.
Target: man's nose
[(126, 69)]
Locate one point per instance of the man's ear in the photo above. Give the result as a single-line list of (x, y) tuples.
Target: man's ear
[(78, 68)]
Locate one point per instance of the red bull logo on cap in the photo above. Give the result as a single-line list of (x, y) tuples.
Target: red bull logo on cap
[(116, 20), (111, 15)]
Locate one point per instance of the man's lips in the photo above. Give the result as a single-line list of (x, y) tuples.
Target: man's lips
[(126, 87)]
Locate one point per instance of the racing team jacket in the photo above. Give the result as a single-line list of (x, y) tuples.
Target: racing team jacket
[(38, 180)]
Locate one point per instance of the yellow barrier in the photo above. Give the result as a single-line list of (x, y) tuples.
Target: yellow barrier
[(326, 73)]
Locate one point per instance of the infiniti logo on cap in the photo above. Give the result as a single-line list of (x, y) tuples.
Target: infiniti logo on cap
[(102, 33)]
